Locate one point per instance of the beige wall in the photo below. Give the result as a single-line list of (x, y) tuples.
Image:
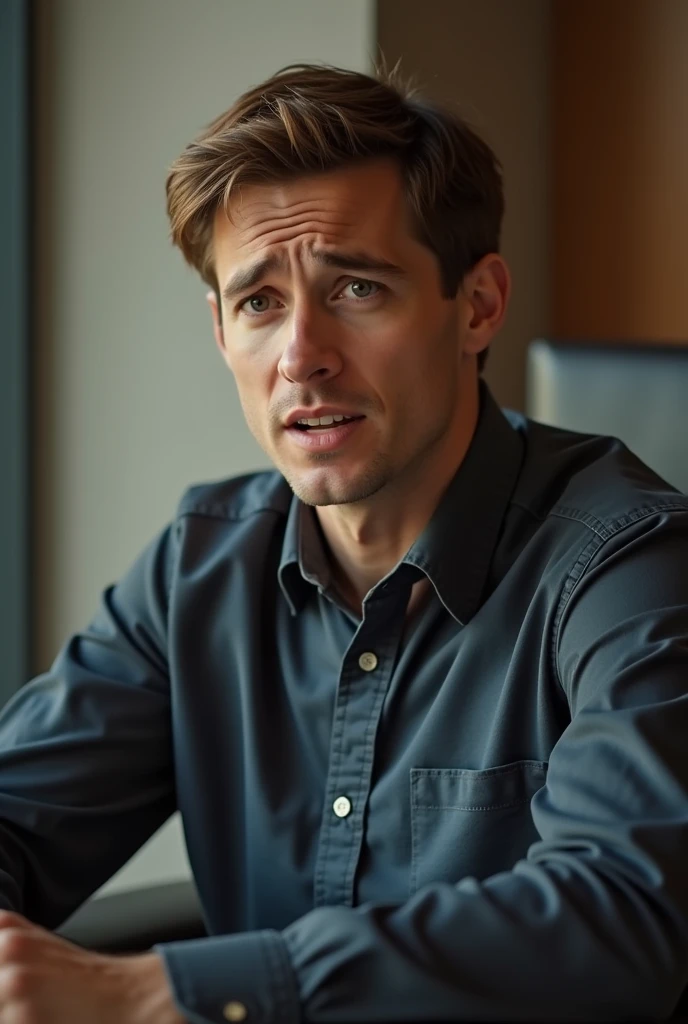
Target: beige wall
[(133, 401), (489, 58)]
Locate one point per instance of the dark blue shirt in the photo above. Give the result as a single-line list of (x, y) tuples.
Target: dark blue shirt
[(480, 812)]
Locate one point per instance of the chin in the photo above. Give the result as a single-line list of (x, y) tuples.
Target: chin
[(328, 487)]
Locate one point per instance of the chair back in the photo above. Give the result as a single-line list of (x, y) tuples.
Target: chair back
[(638, 393)]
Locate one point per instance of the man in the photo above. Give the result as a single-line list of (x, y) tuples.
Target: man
[(421, 693)]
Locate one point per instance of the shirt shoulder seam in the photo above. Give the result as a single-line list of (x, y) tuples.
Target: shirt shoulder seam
[(609, 528), (603, 532)]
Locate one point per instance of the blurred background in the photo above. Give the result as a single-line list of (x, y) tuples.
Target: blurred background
[(112, 395)]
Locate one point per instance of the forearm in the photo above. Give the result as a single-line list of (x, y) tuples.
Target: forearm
[(557, 943), (525, 945)]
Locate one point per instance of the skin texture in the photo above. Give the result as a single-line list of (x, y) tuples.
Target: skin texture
[(387, 345), (45, 979)]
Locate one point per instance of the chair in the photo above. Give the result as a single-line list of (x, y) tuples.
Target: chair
[(636, 392), (134, 920)]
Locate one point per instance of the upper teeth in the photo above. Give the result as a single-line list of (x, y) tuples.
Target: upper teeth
[(322, 421)]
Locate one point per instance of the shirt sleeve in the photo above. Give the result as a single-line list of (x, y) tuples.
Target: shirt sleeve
[(592, 924), (86, 772)]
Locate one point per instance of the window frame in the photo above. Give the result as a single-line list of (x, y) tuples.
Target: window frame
[(15, 344)]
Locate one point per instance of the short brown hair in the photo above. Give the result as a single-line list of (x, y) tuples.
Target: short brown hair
[(309, 118)]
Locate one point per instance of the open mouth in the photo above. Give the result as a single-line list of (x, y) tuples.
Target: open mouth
[(325, 434), (324, 423)]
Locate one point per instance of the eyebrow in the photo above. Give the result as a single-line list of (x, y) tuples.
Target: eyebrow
[(248, 277)]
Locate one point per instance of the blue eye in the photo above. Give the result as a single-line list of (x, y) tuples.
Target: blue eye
[(257, 303), (363, 289)]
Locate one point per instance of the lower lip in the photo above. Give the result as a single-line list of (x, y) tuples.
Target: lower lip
[(326, 439)]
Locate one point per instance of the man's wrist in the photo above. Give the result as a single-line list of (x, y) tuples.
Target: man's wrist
[(147, 986), (247, 973)]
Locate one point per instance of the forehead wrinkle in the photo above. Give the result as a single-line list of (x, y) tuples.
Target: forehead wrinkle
[(248, 209), (266, 212), (252, 216), (307, 221), (262, 223), (310, 233)]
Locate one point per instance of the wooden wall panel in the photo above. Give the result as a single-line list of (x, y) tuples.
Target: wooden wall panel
[(488, 59), (619, 136)]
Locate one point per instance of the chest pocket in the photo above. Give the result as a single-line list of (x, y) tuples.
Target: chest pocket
[(471, 822)]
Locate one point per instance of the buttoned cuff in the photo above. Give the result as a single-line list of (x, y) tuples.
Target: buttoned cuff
[(245, 978)]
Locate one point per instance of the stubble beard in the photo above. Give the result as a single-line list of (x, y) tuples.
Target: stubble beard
[(378, 473), (332, 490)]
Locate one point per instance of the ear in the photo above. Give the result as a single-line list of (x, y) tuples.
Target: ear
[(218, 330), (486, 289)]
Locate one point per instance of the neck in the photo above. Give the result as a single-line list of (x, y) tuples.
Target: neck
[(367, 539)]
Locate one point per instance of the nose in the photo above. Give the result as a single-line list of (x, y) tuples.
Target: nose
[(311, 352)]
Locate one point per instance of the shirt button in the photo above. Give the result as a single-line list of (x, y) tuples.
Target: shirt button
[(342, 806), (368, 661), (234, 1011)]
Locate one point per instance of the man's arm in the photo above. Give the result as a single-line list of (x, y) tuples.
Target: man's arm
[(593, 924), (86, 771), (86, 777)]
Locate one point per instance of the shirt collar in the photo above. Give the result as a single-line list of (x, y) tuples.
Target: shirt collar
[(456, 548), (303, 564)]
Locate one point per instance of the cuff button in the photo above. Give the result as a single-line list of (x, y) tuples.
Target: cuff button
[(234, 1011)]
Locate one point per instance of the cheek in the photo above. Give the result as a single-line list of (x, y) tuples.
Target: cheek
[(425, 374), (412, 352), (255, 378), (250, 390), (251, 369)]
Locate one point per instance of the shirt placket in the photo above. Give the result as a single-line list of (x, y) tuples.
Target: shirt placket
[(365, 676)]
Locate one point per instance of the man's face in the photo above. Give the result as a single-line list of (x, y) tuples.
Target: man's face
[(331, 308)]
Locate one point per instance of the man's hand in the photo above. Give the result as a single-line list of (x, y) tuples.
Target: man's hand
[(47, 980)]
